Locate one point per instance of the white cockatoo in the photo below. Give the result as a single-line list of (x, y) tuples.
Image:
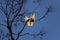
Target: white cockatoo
[(30, 21)]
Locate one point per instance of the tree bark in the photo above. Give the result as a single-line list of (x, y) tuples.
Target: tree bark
[(11, 34)]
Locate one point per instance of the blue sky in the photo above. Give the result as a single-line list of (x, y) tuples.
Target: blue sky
[(50, 24)]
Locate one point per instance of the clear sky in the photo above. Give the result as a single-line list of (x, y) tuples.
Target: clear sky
[(50, 24)]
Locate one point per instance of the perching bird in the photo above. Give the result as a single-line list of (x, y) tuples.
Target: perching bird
[(30, 21)]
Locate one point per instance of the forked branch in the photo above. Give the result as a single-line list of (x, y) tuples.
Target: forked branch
[(44, 16), (20, 31)]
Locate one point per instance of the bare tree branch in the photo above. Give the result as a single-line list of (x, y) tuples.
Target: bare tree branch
[(7, 16), (40, 34), (44, 16), (34, 35), (3, 10), (20, 32), (15, 15), (20, 7), (3, 24), (5, 36)]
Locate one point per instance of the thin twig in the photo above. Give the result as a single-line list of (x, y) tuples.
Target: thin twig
[(2, 24), (43, 16), (20, 31), (20, 7)]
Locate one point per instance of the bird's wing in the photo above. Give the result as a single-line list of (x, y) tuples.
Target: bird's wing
[(26, 18), (33, 16)]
